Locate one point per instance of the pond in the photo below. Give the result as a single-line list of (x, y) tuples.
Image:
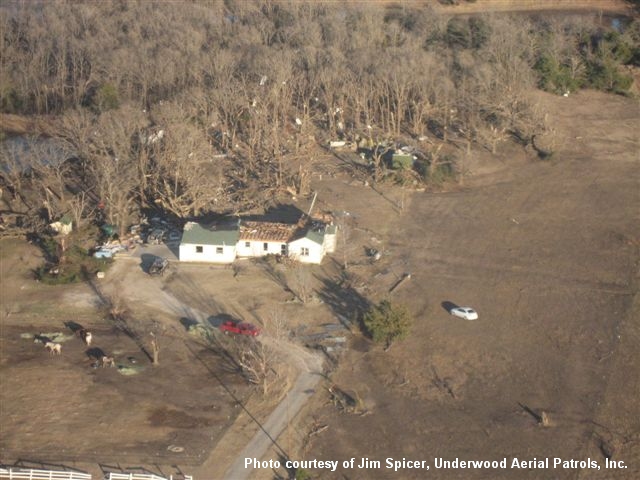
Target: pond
[(24, 152)]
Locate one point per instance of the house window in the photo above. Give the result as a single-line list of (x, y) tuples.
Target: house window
[(265, 246), (219, 250), (304, 251), (247, 244), (283, 249), (198, 249)]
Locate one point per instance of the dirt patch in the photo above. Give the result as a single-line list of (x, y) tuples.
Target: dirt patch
[(165, 417)]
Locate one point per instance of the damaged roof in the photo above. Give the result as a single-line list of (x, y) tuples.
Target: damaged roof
[(267, 231)]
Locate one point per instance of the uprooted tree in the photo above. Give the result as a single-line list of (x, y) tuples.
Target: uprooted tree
[(387, 323)]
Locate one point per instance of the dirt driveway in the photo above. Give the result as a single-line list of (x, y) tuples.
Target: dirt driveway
[(548, 253)]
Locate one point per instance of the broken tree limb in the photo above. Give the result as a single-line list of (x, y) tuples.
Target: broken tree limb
[(406, 276)]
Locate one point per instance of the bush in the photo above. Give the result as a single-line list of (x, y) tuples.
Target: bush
[(444, 172), (555, 77), (480, 32), (106, 98), (10, 99), (78, 265), (387, 323), (458, 33), (604, 75)]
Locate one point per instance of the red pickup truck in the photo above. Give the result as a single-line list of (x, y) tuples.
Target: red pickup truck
[(240, 328)]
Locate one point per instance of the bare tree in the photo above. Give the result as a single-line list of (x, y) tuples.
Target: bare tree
[(258, 362), (79, 209), (187, 179)]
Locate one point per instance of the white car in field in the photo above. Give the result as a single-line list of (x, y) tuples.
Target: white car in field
[(464, 312)]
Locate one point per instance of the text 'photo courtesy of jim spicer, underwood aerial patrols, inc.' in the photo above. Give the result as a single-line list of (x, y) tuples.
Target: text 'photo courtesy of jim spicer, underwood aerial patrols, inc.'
[(438, 463)]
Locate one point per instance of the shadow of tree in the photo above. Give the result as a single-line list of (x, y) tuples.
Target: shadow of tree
[(187, 323), (343, 299), (274, 273)]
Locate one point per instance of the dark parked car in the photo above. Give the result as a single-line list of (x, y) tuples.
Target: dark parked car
[(158, 266), (240, 328), (157, 236)]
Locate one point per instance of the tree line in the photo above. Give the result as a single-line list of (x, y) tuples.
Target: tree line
[(196, 107)]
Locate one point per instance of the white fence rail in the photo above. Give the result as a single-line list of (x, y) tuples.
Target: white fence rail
[(31, 474), (141, 476)]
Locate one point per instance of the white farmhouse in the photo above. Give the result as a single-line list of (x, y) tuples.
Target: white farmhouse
[(216, 244), (306, 242)]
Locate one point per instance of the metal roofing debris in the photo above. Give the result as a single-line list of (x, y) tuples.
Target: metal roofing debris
[(267, 231)]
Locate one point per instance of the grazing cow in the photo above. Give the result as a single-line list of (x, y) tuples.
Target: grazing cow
[(85, 335), (108, 362), (53, 348)]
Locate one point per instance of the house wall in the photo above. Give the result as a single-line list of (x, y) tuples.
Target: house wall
[(256, 248), (209, 253), (316, 251), (330, 241)]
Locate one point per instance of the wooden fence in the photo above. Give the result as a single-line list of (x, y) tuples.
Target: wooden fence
[(31, 474)]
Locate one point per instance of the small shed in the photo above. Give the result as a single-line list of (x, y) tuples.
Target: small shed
[(64, 226), (214, 244)]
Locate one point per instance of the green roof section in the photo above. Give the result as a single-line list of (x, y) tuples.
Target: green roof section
[(315, 236), (196, 234), (331, 230)]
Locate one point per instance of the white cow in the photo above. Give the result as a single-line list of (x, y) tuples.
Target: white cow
[(86, 336), (108, 362), (53, 348)]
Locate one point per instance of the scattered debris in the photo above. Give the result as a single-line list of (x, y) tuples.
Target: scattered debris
[(316, 430), (406, 276), (542, 418), (344, 401), (442, 383)]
